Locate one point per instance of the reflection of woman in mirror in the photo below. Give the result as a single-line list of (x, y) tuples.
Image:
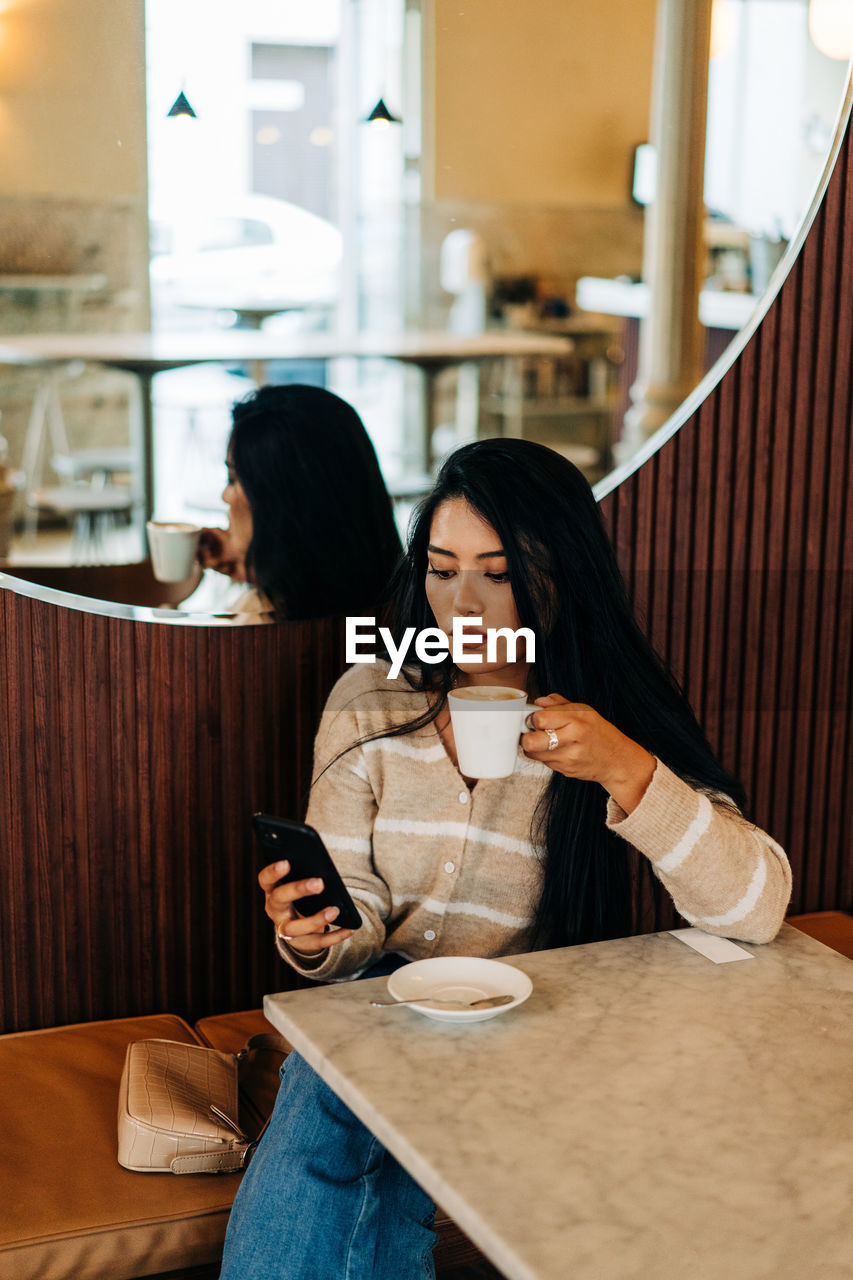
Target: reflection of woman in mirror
[(613, 769), (310, 525)]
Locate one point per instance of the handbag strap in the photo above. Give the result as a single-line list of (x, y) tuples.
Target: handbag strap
[(264, 1040), (215, 1162)]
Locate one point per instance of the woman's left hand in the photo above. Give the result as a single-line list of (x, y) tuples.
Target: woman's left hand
[(588, 746)]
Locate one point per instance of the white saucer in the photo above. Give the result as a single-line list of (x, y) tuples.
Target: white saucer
[(459, 978)]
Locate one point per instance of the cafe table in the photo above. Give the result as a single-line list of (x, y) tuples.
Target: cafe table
[(646, 1114), (146, 354)]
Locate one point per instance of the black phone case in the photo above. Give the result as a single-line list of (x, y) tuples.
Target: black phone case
[(308, 857)]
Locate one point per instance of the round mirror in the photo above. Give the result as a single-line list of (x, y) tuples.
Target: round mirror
[(502, 190)]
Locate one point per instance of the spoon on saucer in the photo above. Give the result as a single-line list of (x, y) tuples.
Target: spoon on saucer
[(486, 1002)]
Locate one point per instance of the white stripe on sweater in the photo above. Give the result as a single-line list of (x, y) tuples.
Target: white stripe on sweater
[(346, 844), (742, 908), (475, 909), (777, 849), (532, 768), (437, 753), (690, 839), (457, 830), (364, 895), (398, 747)]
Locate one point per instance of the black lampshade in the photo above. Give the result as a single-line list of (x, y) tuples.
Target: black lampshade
[(381, 115), (181, 107)]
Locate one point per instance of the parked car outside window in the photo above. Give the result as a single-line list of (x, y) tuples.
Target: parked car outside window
[(258, 250)]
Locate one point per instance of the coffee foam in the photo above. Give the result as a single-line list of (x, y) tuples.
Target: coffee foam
[(488, 693)]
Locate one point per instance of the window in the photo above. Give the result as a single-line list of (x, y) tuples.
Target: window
[(232, 233)]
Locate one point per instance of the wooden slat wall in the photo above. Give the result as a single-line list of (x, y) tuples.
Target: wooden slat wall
[(736, 538), (133, 755), (716, 341)]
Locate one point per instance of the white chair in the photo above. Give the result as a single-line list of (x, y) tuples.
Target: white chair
[(86, 471), (98, 465), (95, 512)]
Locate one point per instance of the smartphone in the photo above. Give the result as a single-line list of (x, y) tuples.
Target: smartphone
[(308, 857)]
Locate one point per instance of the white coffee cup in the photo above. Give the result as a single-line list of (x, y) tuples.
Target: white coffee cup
[(488, 720), (174, 548)]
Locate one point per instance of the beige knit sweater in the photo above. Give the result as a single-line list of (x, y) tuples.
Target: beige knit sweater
[(437, 870)]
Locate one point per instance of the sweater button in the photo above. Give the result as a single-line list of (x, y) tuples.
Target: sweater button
[(430, 935), (449, 866), (464, 797)]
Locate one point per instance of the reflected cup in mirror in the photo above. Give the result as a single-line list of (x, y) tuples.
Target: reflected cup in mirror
[(488, 720), (174, 549)]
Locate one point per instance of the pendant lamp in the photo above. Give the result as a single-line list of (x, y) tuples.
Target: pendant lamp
[(381, 117), (181, 107)]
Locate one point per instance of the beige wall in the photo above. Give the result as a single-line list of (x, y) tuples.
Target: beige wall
[(72, 98), (73, 191), (73, 159), (536, 101)]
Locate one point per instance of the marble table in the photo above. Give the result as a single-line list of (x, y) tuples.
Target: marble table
[(146, 354), (645, 1115)]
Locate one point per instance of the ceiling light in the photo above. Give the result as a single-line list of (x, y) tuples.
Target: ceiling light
[(268, 135), (831, 27), (322, 136), (380, 117), (724, 24), (181, 107)]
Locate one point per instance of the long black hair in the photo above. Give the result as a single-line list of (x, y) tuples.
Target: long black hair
[(324, 539), (589, 648)]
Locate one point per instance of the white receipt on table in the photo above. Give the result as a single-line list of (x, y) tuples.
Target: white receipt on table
[(720, 950)]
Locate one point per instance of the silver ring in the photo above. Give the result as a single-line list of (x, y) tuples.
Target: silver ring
[(285, 937), (553, 740)]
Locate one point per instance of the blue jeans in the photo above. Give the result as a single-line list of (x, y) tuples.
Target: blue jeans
[(323, 1200)]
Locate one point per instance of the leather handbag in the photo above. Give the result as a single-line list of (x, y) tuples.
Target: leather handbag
[(178, 1109)]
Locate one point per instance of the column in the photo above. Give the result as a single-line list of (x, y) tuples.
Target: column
[(671, 338)]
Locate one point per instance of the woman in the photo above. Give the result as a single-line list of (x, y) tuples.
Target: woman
[(613, 762), (310, 523)]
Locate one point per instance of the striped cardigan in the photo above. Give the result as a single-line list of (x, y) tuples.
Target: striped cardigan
[(437, 870)]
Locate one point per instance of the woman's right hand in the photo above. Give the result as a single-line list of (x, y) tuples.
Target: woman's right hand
[(216, 550), (306, 935)]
